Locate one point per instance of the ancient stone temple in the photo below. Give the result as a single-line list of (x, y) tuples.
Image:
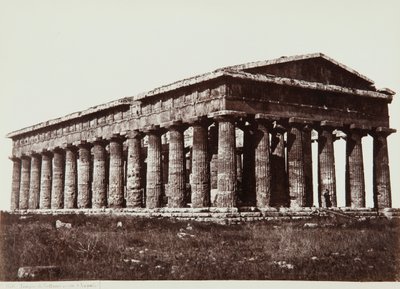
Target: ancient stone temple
[(238, 136)]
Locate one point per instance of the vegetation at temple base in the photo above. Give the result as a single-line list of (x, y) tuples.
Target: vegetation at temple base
[(118, 248)]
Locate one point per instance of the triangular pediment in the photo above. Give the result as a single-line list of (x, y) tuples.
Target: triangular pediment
[(315, 67)]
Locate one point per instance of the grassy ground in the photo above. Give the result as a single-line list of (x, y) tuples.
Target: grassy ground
[(96, 248)]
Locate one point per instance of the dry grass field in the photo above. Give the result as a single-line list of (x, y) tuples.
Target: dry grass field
[(128, 248)]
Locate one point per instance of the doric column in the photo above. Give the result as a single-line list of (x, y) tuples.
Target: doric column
[(355, 184), (200, 167), (279, 193), (308, 174), (226, 180), (176, 166), (16, 181), (70, 185), (262, 165), (295, 160), (134, 195), (153, 175), (84, 176), (249, 194), (25, 183), (34, 188), (116, 177), (381, 172), (213, 155), (326, 165), (99, 183), (46, 173), (239, 171), (57, 189)]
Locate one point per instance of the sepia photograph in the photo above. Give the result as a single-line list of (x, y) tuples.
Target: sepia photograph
[(199, 144)]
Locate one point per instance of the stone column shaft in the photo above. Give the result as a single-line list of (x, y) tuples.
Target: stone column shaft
[(153, 176), (34, 189), (84, 177), (99, 184), (279, 193), (326, 169), (295, 159), (200, 168), (134, 197), (57, 190), (248, 194), (45, 181), (25, 183), (308, 173), (70, 185), (16, 181), (381, 173), (116, 186), (226, 183), (176, 175), (262, 167), (355, 184)]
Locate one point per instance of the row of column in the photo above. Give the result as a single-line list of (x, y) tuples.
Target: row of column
[(271, 177)]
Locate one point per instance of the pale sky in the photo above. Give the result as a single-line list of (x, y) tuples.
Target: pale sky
[(58, 57)]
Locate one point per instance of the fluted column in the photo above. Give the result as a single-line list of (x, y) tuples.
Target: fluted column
[(16, 181), (295, 159), (355, 184), (213, 156), (279, 193), (84, 176), (25, 183), (226, 182), (326, 166), (153, 175), (249, 194), (134, 195), (34, 188), (176, 167), (200, 167), (70, 185), (262, 165), (381, 172), (57, 189), (116, 177), (46, 180), (308, 173), (99, 183)]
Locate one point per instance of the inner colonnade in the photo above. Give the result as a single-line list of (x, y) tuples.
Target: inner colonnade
[(267, 164)]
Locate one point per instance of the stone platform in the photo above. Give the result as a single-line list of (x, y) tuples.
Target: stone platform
[(228, 215)]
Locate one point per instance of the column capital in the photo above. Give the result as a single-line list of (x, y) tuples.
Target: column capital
[(153, 129), (382, 131), (14, 158), (134, 134), (115, 137), (173, 125), (199, 120), (357, 129), (82, 144), (227, 115), (278, 127)]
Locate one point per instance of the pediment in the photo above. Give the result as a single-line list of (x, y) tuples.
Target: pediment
[(311, 67)]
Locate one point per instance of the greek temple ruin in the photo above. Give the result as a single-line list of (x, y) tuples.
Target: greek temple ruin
[(238, 136)]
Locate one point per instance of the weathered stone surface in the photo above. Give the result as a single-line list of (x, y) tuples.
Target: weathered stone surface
[(279, 193), (57, 189), (16, 180), (308, 173), (249, 174), (201, 170), (326, 169), (39, 272), (295, 159), (153, 177), (262, 166), (84, 177), (176, 176), (226, 183), (381, 173), (25, 183), (45, 181), (355, 183), (34, 188), (70, 185), (116, 193), (134, 194), (99, 184)]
